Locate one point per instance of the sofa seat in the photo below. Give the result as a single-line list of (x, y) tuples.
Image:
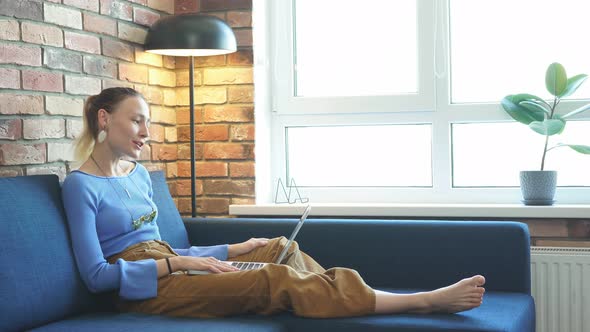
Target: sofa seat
[(501, 311), (122, 322)]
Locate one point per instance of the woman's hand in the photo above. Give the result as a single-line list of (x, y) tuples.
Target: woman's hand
[(245, 247), (211, 264)]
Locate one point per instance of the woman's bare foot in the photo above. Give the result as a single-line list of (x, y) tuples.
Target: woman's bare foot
[(463, 295)]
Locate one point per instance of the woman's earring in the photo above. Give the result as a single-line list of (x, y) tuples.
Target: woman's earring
[(102, 135)]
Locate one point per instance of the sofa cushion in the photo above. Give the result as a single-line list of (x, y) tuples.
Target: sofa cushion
[(39, 280), (169, 221), (511, 312), (501, 311), (506, 312), (102, 322)]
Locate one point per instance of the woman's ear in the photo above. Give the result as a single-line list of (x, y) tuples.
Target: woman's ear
[(103, 119)]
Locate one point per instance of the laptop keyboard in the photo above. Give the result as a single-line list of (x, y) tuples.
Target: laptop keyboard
[(246, 265)]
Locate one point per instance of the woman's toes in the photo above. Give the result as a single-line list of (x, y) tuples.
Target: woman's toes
[(479, 280)]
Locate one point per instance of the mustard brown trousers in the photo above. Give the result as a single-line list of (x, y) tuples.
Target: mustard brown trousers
[(299, 284)]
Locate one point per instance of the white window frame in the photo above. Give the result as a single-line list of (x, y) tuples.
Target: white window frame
[(282, 110)]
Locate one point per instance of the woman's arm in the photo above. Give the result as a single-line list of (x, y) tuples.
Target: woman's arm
[(246, 246), (135, 280), (219, 251), (194, 263), (175, 263), (224, 251)]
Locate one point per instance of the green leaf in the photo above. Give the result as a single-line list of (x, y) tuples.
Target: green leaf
[(528, 97), (577, 111), (555, 79), (585, 149), (547, 127), (519, 113), (573, 83), (559, 117), (535, 106)]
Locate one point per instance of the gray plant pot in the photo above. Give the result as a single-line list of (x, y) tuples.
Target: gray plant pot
[(538, 187)]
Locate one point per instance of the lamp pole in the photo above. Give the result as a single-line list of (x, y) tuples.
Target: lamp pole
[(192, 137)]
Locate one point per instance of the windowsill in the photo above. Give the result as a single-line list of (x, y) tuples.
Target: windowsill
[(560, 211)]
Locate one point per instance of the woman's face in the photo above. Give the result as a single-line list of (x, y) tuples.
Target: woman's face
[(128, 128)]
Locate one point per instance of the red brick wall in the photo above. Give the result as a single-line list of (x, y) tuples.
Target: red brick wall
[(559, 232), (548, 232), (53, 54)]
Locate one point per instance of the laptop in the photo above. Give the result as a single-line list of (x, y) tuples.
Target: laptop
[(243, 266)]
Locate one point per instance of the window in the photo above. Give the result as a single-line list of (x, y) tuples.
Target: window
[(492, 154), (349, 78), (340, 57), (333, 156), (350, 50), (500, 47)]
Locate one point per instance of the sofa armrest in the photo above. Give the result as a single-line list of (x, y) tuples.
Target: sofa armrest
[(423, 254)]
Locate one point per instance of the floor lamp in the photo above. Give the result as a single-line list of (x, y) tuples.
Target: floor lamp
[(190, 35)]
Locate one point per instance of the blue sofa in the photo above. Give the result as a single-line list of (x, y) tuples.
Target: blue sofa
[(40, 288)]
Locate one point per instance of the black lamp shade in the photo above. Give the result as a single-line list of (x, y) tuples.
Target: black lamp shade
[(190, 34)]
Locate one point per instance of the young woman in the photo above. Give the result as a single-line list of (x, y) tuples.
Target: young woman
[(118, 248)]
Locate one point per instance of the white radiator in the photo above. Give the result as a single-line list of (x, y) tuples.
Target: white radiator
[(561, 288)]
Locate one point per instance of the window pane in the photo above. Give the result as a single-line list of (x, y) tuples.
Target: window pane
[(380, 155), (347, 48), (493, 154), (503, 47)]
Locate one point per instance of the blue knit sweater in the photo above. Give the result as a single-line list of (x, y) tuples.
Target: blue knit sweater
[(98, 212)]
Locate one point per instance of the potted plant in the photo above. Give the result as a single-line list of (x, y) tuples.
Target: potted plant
[(538, 186)]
